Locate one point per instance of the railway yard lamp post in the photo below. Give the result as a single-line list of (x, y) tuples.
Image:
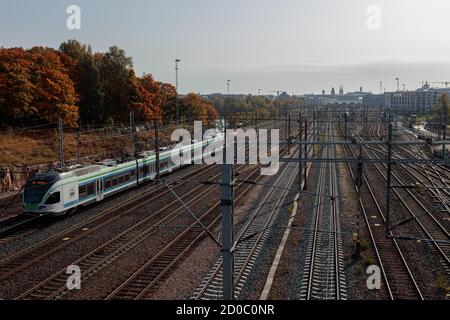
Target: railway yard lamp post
[(177, 61)]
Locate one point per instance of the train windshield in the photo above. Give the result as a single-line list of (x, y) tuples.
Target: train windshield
[(36, 188)]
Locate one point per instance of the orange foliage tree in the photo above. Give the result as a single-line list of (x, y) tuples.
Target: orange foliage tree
[(35, 86), (149, 99), (194, 107), (41, 85), (55, 96)]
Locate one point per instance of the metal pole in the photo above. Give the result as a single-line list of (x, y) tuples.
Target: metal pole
[(60, 143), (359, 185), (289, 133), (256, 128), (78, 145), (360, 171), (305, 168), (227, 231), (444, 131), (274, 116), (286, 118), (345, 126), (176, 87), (227, 204), (133, 144), (388, 180), (155, 122), (300, 172)]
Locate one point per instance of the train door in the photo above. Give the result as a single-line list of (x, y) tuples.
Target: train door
[(100, 188)]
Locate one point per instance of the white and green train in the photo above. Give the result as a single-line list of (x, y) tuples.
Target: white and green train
[(60, 192)]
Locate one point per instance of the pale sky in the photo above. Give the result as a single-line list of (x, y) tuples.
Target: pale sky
[(300, 46)]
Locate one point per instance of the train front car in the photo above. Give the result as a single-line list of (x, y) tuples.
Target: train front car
[(40, 195)]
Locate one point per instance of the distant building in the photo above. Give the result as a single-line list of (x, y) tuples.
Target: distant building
[(422, 100), (373, 100), (350, 98)]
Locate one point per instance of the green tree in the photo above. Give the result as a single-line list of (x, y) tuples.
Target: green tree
[(86, 75), (118, 84)]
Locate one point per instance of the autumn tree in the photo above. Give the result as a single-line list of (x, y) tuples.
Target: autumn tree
[(148, 100), (54, 95), (16, 89), (35, 86), (168, 101), (194, 107), (41, 85)]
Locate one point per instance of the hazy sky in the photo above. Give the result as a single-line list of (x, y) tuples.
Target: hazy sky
[(294, 45)]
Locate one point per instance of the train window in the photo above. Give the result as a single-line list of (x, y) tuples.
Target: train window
[(91, 188), (121, 179), (54, 198), (132, 173), (108, 184), (82, 191), (115, 181)]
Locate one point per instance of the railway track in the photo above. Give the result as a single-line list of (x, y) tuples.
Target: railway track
[(148, 276), (323, 278), (16, 228), (45, 248), (93, 262), (399, 281), (428, 224), (145, 280), (250, 240), (54, 287), (255, 232)]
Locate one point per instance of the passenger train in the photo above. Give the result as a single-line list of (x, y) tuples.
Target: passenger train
[(60, 192)]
